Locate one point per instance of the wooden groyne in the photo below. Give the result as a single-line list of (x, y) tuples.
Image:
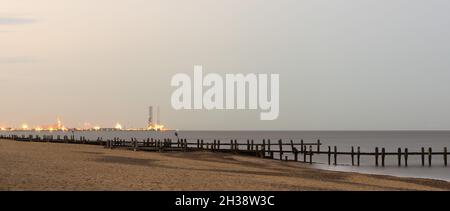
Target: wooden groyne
[(298, 151)]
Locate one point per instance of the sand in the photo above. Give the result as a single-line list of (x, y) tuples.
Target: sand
[(51, 166)]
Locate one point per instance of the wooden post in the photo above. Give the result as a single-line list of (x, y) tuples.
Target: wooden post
[(358, 157), (198, 143), (231, 146), (353, 156), (329, 155), (406, 157), (423, 156), (318, 145), (201, 143), (264, 148), (257, 151), (301, 146), (445, 156), (252, 146), (430, 154), (310, 155), (271, 154), (248, 145), (236, 146), (376, 156), (304, 154), (292, 145), (218, 144), (268, 148), (280, 149), (399, 156), (214, 145), (335, 155), (383, 156), (295, 154)]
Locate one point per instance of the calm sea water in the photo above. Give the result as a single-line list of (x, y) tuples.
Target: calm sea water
[(344, 140)]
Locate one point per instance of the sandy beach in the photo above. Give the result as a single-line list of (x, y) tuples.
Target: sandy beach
[(51, 166)]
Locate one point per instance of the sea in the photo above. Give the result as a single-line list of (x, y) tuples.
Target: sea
[(343, 140)]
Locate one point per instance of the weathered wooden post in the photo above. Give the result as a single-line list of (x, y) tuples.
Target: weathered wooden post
[(248, 145), (268, 145), (335, 155), (218, 144), (214, 145), (406, 157), (358, 157), (236, 146), (353, 156), (292, 145), (310, 155), (423, 156), (198, 143), (430, 154), (301, 146), (318, 145), (383, 156), (280, 145), (252, 146), (376, 156), (264, 148), (201, 143), (445, 156), (295, 154), (399, 156), (304, 154), (329, 155), (257, 150)]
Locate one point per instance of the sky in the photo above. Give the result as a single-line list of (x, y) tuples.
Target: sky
[(343, 65)]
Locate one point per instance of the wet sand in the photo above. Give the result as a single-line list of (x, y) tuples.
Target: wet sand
[(51, 166)]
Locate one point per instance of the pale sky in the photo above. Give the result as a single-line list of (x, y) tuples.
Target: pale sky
[(343, 65)]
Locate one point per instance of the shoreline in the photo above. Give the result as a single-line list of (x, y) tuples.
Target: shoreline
[(322, 166), (54, 166)]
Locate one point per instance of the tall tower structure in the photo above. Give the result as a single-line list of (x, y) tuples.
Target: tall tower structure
[(150, 116)]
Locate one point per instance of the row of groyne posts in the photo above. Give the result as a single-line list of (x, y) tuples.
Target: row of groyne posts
[(300, 152)]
